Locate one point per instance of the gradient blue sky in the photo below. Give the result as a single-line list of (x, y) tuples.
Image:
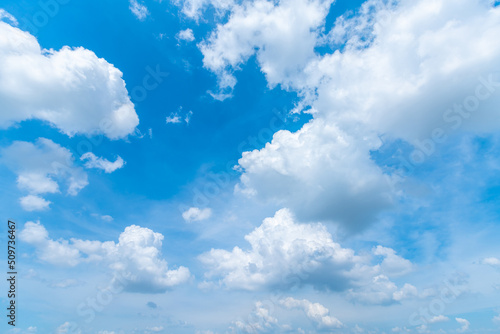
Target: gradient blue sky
[(297, 166)]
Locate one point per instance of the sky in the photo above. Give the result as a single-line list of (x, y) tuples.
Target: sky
[(221, 166)]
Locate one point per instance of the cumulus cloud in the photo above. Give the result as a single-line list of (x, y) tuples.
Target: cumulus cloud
[(282, 36), (284, 253), (196, 214), (136, 256), (71, 89), (138, 9), (186, 35), (41, 168), (92, 161), (464, 323), (321, 173), (319, 314), (259, 321)]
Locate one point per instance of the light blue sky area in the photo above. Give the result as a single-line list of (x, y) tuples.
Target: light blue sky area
[(287, 166)]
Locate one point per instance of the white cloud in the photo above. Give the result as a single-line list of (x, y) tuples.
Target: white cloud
[(136, 256), (186, 35), (319, 314), (34, 203), (138, 9), (392, 263), (464, 323), (496, 319), (321, 173), (41, 168), (178, 117), (438, 318), (491, 261), (196, 214), (71, 89), (173, 118), (94, 162), (283, 253)]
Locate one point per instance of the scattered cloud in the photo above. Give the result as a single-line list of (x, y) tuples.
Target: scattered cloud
[(67, 328), (259, 321), (138, 9), (196, 214), (179, 117), (41, 168), (92, 161), (186, 35), (193, 8)]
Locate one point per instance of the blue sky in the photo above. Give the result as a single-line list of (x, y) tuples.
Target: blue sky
[(216, 166)]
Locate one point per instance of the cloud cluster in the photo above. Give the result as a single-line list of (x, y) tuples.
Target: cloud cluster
[(71, 89), (41, 168), (135, 257), (417, 71), (284, 253)]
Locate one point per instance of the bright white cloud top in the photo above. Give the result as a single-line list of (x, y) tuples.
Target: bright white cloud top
[(72, 89)]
